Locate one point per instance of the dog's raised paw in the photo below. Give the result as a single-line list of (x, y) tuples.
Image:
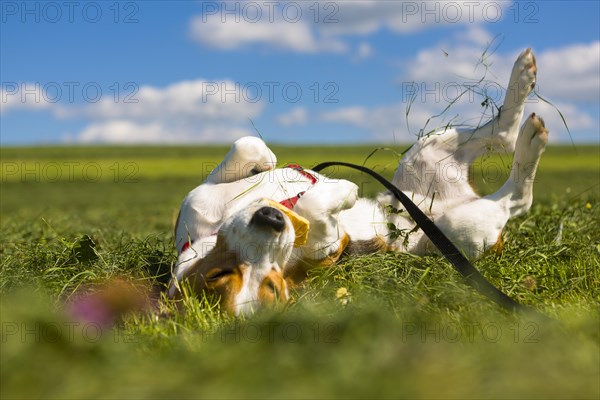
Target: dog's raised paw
[(527, 72), (535, 134), (540, 132)]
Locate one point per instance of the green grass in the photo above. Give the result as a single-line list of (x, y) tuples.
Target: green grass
[(409, 327)]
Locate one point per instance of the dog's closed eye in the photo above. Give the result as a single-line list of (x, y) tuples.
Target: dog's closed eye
[(271, 286), (216, 274)]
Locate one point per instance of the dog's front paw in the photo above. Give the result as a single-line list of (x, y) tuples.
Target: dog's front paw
[(328, 197), (247, 157), (346, 194)]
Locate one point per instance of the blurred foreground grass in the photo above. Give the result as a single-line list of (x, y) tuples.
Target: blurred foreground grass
[(406, 326)]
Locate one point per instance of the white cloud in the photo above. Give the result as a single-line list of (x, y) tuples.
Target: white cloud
[(461, 59), (577, 120), (363, 52), (296, 116), (131, 132), (476, 35), (183, 112), (571, 73), (402, 17), (384, 123), (319, 26), (196, 100), (351, 115), (440, 78), (211, 31), (26, 96), (122, 131), (567, 76), (388, 123)]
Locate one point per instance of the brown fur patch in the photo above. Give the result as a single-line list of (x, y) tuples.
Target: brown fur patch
[(272, 289), (498, 247), (296, 272), (333, 257), (220, 272)]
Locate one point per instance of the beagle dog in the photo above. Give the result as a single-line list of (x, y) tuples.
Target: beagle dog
[(251, 229)]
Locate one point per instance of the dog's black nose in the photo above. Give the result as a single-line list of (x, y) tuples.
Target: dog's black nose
[(269, 216)]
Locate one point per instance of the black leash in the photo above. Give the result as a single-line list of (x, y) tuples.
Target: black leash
[(441, 241)]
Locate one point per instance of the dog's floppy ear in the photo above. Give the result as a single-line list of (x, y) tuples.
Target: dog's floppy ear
[(301, 224)]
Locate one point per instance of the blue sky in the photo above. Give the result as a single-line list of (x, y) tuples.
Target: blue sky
[(299, 72)]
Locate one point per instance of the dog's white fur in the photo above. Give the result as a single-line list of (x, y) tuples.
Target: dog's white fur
[(217, 215)]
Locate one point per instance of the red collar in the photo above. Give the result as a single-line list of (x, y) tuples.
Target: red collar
[(291, 202)]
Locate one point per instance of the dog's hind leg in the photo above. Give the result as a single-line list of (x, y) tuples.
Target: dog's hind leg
[(503, 130), (476, 226), (438, 166)]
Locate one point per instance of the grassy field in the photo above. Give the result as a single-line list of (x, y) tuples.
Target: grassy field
[(407, 327)]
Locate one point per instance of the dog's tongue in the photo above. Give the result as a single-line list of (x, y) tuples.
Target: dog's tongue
[(301, 224)]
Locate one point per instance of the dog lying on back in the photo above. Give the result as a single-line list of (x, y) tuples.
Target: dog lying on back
[(251, 230)]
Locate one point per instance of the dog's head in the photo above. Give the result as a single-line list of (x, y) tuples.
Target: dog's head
[(245, 269)]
